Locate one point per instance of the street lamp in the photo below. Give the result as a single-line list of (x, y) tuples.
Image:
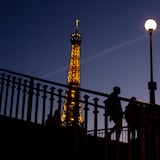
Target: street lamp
[(150, 25)]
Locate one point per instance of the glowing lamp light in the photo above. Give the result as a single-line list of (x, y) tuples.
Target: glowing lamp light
[(150, 25)]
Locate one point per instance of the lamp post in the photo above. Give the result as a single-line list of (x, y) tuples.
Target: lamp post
[(150, 26)]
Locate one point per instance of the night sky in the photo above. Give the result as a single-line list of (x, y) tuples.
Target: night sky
[(35, 40)]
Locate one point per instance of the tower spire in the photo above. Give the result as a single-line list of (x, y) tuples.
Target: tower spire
[(77, 25), (72, 109)]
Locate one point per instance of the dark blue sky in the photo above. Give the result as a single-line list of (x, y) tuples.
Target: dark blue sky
[(35, 40)]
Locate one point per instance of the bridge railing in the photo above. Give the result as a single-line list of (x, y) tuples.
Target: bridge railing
[(31, 99), (101, 133)]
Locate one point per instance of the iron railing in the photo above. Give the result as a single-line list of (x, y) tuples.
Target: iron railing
[(32, 99)]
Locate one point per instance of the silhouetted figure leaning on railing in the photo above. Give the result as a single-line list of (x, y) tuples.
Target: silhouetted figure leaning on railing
[(114, 111), (53, 121), (132, 116), (53, 133)]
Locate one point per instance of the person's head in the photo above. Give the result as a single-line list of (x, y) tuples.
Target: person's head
[(56, 112), (49, 116), (116, 90), (133, 98)]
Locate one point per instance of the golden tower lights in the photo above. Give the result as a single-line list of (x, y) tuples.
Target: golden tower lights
[(72, 109)]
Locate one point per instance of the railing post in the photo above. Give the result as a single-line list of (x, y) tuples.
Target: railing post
[(37, 102), (51, 100), (59, 99), (95, 116), (76, 107), (68, 101), (24, 98), (6, 96), (18, 94), (86, 97), (44, 104), (106, 119), (106, 149), (86, 112), (95, 127), (12, 96), (75, 123), (30, 98), (129, 141), (1, 93)]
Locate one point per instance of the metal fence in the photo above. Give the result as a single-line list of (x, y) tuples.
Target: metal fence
[(32, 99)]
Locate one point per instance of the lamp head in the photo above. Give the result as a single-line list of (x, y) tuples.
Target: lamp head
[(150, 25)]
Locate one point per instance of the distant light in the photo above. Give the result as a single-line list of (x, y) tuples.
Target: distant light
[(150, 25)]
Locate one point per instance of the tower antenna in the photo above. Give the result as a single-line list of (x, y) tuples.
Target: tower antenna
[(77, 24)]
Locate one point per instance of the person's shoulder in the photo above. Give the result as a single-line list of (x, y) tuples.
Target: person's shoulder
[(112, 95)]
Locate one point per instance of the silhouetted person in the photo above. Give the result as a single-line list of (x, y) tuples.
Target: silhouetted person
[(57, 118), (53, 133), (53, 121), (48, 121), (132, 113), (114, 111)]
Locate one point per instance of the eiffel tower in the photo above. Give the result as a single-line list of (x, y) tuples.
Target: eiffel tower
[(72, 109)]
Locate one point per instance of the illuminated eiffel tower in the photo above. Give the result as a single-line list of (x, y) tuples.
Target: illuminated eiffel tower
[(72, 109)]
